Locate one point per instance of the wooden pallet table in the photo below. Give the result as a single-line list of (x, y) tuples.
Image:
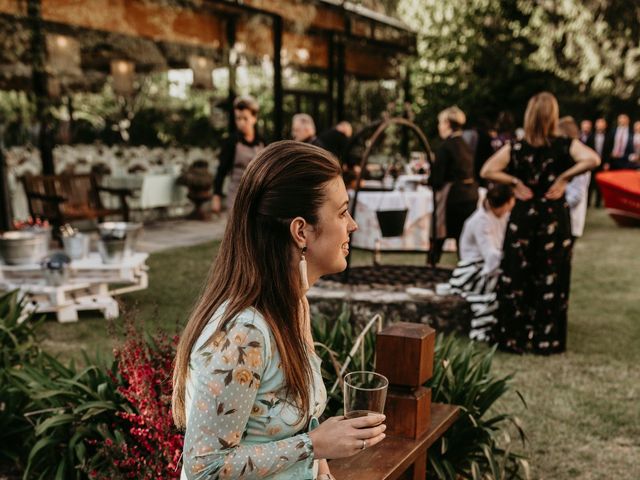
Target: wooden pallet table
[(87, 288)]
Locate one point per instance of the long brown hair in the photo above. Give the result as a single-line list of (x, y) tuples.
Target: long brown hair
[(541, 119), (254, 266)]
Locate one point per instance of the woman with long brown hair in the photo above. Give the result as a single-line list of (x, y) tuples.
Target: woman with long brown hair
[(247, 382), (533, 289)]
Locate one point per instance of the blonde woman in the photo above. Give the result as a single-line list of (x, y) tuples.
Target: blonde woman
[(452, 177), (247, 382), (533, 289)]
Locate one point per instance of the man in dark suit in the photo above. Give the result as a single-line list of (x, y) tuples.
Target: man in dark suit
[(602, 144), (622, 145)]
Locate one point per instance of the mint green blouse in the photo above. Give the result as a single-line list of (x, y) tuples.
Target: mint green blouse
[(239, 425)]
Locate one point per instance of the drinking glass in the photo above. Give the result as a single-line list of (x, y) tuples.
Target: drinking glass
[(364, 394)]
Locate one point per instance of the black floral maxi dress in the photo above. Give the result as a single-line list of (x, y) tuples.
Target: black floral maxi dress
[(533, 289)]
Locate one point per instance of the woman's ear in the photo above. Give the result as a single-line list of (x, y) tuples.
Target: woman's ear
[(297, 227)]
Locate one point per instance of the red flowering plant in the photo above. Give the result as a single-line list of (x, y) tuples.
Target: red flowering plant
[(143, 443)]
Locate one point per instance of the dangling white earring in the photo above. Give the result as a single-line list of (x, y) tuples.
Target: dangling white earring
[(304, 280)]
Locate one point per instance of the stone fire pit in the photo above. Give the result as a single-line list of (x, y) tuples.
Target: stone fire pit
[(383, 289)]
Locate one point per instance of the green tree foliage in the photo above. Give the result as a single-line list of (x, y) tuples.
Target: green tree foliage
[(492, 55), (592, 43)]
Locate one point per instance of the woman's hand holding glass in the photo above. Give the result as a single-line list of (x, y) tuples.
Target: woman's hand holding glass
[(339, 437)]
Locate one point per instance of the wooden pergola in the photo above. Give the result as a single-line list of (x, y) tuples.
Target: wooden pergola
[(335, 38)]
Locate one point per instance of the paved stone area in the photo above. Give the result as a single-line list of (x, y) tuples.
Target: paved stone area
[(166, 234)]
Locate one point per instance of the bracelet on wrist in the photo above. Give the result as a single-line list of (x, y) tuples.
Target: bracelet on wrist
[(515, 181)]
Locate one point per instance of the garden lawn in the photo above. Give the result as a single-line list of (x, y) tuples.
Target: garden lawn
[(583, 415)]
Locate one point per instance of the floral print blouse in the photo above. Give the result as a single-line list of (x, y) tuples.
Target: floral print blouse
[(239, 425)]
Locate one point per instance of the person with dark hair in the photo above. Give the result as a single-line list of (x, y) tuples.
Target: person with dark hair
[(452, 178), (336, 139), (533, 288), (247, 383), (486, 134), (237, 151), (601, 142), (476, 274), (505, 130)]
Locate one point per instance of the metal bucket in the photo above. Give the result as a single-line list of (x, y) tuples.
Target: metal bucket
[(24, 248), (76, 246), (117, 240)]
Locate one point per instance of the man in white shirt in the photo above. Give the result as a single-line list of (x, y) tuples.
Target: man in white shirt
[(635, 156), (622, 145)]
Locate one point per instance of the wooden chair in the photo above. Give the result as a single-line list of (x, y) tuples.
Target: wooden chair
[(66, 198)]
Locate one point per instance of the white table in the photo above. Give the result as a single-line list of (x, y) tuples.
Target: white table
[(154, 190), (416, 228), (87, 287)]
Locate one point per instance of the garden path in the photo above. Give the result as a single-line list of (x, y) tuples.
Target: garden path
[(166, 234)]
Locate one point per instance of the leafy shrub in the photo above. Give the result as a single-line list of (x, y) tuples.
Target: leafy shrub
[(470, 449), (19, 347), (110, 419), (147, 445), (69, 409), (333, 341), (462, 376)]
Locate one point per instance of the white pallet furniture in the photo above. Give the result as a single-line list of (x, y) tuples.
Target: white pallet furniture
[(87, 287)]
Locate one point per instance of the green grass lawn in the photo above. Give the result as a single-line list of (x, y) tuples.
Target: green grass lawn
[(583, 415)]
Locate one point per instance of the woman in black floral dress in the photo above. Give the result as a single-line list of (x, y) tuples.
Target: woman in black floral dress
[(533, 290)]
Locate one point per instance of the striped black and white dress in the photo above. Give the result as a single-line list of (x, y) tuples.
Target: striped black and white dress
[(476, 276)]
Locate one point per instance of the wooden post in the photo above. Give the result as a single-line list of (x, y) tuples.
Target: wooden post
[(341, 79), (278, 92), (231, 40), (40, 91), (5, 199), (404, 354), (407, 102), (331, 73)]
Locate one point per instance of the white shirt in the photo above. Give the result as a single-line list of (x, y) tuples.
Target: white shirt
[(482, 238), (577, 194), (620, 143), (599, 142), (636, 142)]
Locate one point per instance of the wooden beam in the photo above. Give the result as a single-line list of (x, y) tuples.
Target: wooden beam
[(12, 7), (389, 459), (305, 14), (140, 18)]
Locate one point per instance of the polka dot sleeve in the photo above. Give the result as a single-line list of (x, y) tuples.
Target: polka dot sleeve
[(226, 374)]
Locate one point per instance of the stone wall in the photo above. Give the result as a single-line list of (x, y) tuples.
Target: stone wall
[(445, 313)]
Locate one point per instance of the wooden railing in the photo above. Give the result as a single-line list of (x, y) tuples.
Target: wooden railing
[(397, 457), (404, 354)]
